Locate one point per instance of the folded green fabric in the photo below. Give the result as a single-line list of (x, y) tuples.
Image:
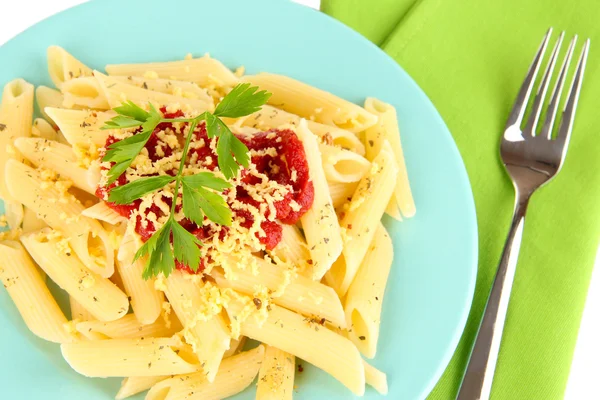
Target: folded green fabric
[(470, 57)]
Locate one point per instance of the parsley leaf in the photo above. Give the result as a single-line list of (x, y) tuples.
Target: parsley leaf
[(137, 189), (206, 179), (121, 122), (230, 149), (150, 249), (185, 247), (241, 101), (131, 110), (191, 205)]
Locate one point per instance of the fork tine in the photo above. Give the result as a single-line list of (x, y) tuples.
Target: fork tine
[(557, 91), (540, 96), (568, 115), (516, 114)]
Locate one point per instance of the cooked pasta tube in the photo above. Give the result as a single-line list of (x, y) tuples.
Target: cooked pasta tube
[(312, 103), (98, 295), (365, 295), (128, 327), (130, 357), (297, 335), (48, 154), (63, 67), (204, 71), (61, 211), (343, 165), (84, 92), (362, 217), (276, 375), (235, 374), (298, 293), (29, 292), (16, 113)]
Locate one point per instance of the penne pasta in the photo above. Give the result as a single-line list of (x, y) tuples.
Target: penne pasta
[(42, 129), (362, 217), (81, 128), (205, 71), (48, 97), (297, 293), (79, 312), (130, 357), (293, 249), (387, 129), (309, 341), (341, 165), (27, 289), (128, 327), (137, 384), (205, 328), (16, 113), (235, 374), (47, 154), (312, 103), (235, 347), (176, 88), (276, 375), (31, 221), (146, 300), (342, 192), (63, 67), (376, 379), (61, 211), (14, 213), (320, 223), (96, 294), (117, 93), (365, 295), (270, 117), (104, 213), (84, 92)]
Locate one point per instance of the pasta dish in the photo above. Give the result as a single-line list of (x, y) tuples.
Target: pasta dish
[(185, 208)]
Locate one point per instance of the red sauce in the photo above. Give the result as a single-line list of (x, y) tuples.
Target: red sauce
[(288, 167)]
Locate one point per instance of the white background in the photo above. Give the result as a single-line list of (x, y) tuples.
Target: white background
[(18, 16)]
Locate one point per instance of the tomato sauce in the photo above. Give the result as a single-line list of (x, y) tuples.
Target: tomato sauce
[(288, 167)]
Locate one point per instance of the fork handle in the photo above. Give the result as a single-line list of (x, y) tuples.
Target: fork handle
[(477, 381)]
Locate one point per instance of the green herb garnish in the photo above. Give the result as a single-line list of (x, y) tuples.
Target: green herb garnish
[(172, 242)]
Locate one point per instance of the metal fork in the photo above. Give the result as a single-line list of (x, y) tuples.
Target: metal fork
[(531, 159)]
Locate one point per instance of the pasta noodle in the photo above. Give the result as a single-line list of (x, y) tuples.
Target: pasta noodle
[(362, 217), (62, 211), (81, 127), (137, 384), (78, 312), (84, 93), (342, 192), (341, 165), (47, 154), (320, 223), (387, 129), (205, 330), (312, 103), (117, 93), (128, 327), (63, 67), (130, 357), (204, 71), (297, 293), (293, 249), (235, 374), (376, 379), (146, 301), (276, 375), (176, 88), (16, 113), (365, 295), (48, 97), (98, 295), (309, 341), (27, 289), (42, 129)]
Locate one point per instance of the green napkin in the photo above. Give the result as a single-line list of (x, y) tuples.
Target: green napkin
[(470, 57)]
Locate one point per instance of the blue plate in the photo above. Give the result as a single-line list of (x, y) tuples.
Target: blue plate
[(432, 281)]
